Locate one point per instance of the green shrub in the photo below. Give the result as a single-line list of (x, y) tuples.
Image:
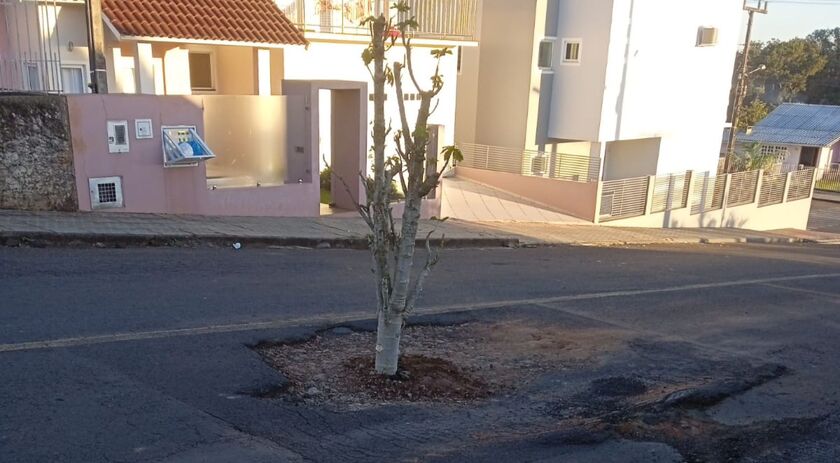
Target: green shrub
[(326, 179)]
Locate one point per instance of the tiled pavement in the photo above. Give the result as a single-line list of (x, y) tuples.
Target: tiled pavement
[(135, 228)]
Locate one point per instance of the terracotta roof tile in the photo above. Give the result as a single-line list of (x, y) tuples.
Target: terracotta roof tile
[(257, 21)]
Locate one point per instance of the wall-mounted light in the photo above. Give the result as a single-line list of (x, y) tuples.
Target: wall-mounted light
[(71, 46)]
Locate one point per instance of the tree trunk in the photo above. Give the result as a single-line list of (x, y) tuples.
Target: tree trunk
[(388, 335)]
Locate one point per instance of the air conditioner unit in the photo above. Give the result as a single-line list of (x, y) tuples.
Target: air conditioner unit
[(707, 37), (539, 166)]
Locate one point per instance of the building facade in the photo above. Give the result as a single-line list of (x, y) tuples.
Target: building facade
[(641, 85)]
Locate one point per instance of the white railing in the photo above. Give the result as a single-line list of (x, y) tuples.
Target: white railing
[(558, 166), (636, 197), (437, 19), (828, 179), (30, 47)]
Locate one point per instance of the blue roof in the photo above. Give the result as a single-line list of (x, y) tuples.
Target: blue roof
[(798, 124)]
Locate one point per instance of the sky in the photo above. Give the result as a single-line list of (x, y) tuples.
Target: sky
[(787, 19)]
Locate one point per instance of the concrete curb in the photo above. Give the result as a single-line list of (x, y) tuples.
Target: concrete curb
[(113, 240), (828, 197)]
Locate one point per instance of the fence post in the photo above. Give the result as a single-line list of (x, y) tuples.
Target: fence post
[(758, 182), (726, 186), (813, 183), (786, 191), (651, 189), (692, 181), (599, 192)]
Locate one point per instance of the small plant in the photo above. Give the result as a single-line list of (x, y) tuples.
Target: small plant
[(326, 179), (752, 157)]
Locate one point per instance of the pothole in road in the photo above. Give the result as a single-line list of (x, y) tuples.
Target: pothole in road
[(624, 389), (458, 363)]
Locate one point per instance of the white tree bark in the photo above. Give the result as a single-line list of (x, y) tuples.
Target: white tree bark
[(393, 249)]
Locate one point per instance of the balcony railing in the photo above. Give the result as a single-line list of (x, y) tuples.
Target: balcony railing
[(438, 19)]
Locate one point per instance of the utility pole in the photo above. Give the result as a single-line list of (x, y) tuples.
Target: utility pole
[(96, 47), (741, 87)]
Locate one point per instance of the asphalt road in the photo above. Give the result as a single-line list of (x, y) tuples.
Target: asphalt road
[(825, 216), (140, 354)]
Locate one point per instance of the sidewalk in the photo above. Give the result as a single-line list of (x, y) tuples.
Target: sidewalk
[(827, 196), (118, 230)]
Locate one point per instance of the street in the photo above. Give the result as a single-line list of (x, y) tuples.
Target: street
[(141, 354)]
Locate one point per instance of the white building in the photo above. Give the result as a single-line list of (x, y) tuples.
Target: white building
[(642, 85)]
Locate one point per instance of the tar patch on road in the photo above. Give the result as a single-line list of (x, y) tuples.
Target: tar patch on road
[(548, 388)]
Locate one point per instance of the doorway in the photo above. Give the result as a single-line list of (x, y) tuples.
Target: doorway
[(809, 156)]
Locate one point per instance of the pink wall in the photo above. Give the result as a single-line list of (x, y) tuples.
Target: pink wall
[(574, 198), (295, 200), (148, 187)]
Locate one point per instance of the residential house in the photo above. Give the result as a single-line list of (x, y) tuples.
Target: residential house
[(173, 47), (300, 61), (607, 111), (801, 135), (641, 85), (336, 42)]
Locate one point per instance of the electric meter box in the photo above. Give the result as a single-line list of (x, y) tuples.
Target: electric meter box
[(183, 147)]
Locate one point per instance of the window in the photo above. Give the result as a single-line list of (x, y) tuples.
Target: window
[(571, 50), (707, 37), (33, 79), (201, 71), (546, 54), (780, 152), (73, 79)]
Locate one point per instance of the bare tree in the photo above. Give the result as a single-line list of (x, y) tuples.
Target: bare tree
[(392, 244)]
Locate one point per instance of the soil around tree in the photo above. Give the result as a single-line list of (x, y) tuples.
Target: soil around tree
[(625, 387), (446, 364)]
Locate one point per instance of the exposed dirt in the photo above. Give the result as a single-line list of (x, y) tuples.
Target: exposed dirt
[(439, 363), (657, 401)]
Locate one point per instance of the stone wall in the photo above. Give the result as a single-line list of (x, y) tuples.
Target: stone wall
[(36, 156)]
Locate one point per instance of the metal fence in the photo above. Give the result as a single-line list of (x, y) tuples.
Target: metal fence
[(742, 188), (33, 42), (801, 183), (670, 192), (772, 189), (829, 179), (621, 199), (442, 19), (556, 166), (707, 194)]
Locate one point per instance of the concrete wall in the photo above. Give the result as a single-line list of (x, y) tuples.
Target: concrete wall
[(631, 158), (667, 86), (793, 214), (36, 157), (835, 153), (254, 138), (325, 61), (505, 72), (349, 137), (147, 185), (572, 198), (578, 93), (466, 109)]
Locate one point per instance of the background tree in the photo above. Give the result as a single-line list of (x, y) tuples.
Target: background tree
[(790, 65), (824, 86), (752, 113), (393, 245)]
